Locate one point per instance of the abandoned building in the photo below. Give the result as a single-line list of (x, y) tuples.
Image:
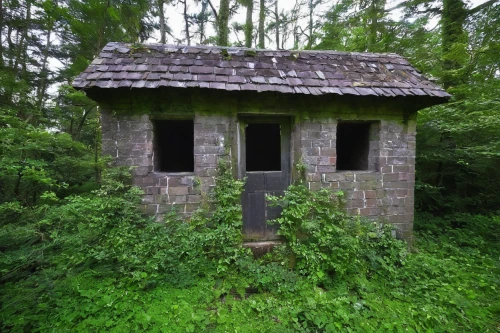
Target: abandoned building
[(345, 120)]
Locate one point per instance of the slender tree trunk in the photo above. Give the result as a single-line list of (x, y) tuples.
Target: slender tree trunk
[(76, 135), (310, 37), (21, 44), (1, 33), (223, 23), (186, 23), (163, 31), (249, 24), (277, 26), (203, 14), (24, 48), (262, 18), (452, 34), (44, 72)]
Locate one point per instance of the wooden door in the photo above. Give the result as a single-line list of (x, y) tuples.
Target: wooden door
[(265, 162)]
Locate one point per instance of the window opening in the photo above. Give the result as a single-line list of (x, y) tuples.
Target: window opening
[(263, 147), (173, 145), (353, 146)]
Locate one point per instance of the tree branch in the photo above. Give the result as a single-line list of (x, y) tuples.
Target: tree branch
[(481, 6), (213, 9)]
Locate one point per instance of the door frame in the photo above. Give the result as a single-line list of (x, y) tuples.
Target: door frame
[(285, 131), (285, 123)]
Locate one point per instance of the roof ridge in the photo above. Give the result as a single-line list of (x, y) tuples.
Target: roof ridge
[(205, 47)]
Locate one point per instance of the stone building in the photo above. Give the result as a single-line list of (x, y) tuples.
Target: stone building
[(347, 119)]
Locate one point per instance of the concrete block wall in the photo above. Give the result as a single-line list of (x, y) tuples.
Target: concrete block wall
[(129, 139), (385, 191)]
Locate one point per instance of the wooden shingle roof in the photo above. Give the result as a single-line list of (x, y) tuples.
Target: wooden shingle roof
[(233, 69)]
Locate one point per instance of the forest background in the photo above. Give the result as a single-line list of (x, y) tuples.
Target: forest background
[(71, 260)]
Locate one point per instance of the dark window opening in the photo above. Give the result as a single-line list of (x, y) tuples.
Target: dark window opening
[(173, 145), (263, 147), (353, 146)]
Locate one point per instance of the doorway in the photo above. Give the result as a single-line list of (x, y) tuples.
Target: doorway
[(265, 162)]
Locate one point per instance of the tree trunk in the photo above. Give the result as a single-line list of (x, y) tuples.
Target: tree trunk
[(310, 39), (262, 18), (223, 24), (204, 5), (21, 48), (453, 35), (249, 24), (44, 71), (1, 33), (163, 31), (277, 26), (372, 29), (186, 23)]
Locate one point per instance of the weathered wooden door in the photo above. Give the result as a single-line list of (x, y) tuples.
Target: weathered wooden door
[(265, 162)]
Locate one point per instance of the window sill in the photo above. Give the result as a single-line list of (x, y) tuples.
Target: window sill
[(174, 174)]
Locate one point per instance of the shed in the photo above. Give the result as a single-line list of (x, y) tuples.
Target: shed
[(347, 119)]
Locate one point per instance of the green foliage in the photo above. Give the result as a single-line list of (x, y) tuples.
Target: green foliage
[(94, 262), (326, 244), (33, 160)]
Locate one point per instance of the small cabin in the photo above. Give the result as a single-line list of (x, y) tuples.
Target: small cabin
[(341, 120)]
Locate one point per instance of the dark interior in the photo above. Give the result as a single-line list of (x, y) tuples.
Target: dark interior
[(353, 145), (263, 147), (173, 145)]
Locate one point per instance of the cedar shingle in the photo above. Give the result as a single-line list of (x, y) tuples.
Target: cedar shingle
[(304, 72)]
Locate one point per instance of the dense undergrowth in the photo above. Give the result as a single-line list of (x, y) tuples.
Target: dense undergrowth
[(93, 262)]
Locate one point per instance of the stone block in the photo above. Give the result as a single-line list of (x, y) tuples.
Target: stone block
[(397, 160), (327, 151), (205, 160), (151, 190), (327, 135), (335, 177), (194, 198), (311, 126), (390, 177), (368, 185), (334, 185), (396, 185), (314, 186), (186, 180), (313, 177), (330, 127), (310, 160), (181, 190), (346, 185), (401, 193), (326, 168), (147, 199), (367, 176), (312, 151), (354, 204), (321, 143), (355, 195), (208, 149), (180, 199), (313, 135), (370, 211), (195, 190), (191, 207), (141, 171), (370, 194), (325, 160)]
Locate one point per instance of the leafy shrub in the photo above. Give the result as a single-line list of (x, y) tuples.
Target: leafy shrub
[(325, 243), (94, 262)]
